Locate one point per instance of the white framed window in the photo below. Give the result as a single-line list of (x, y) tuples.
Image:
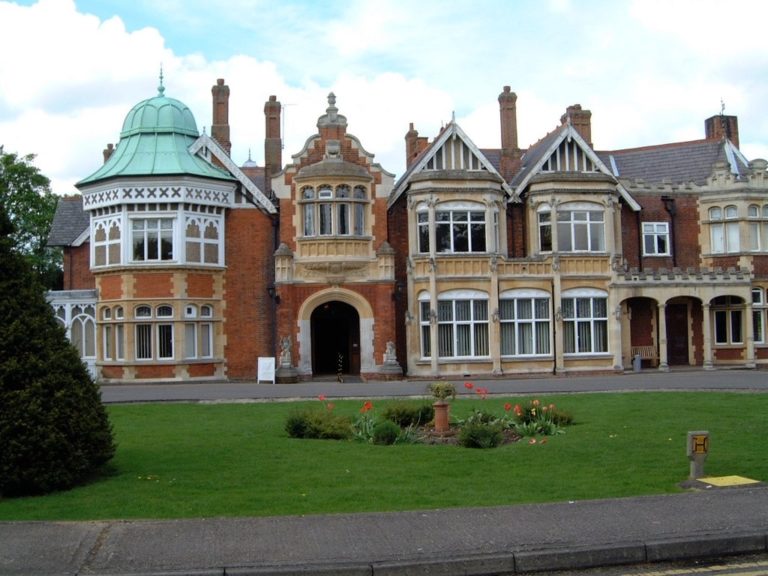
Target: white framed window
[(154, 339), (757, 219), (545, 228), (727, 312), (422, 230), (203, 240), (462, 325), (585, 321), (724, 229), (152, 239), (106, 242), (656, 239), (460, 228), (759, 312), (82, 330), (164, 333), (329, 211), (198, 336), (524, 317), (580, 228)]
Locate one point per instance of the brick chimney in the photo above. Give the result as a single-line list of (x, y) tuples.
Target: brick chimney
[(581, 120), (722, 126), (108, 151), (220, 125), (414, 145), (273, 143), (510, 152)]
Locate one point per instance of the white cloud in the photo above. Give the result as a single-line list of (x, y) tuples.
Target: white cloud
[(650, 71)]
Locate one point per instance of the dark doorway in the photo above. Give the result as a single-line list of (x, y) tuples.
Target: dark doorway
[(335, 339), (677, 334)]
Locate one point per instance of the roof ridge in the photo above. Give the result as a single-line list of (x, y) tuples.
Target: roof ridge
[(659, 146)]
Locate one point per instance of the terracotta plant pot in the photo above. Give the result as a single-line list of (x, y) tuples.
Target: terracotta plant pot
[(441, 416)]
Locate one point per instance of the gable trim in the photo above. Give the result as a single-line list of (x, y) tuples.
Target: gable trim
[(453, 130), (205, 141), (570, 133)]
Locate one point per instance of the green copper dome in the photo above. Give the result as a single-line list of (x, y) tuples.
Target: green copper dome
[(157, 115), (155, 141)]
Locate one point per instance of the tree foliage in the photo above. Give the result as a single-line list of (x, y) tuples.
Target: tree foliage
[(26, 195), (54, 430)]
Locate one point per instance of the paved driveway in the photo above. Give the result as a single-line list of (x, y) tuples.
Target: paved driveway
[(735, 380)]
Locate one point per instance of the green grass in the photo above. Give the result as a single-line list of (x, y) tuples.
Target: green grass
[(212, 460)]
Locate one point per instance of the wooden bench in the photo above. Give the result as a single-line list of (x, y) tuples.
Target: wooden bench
[(646, 353)]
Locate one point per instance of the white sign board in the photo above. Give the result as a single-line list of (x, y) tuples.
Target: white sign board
[(266, 369)]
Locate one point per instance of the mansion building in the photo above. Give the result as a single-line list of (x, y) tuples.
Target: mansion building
[(558, 258)]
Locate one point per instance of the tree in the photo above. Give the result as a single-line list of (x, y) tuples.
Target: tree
[(54, 430), (26, 195)]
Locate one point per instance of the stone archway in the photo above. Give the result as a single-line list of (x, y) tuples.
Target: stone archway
[(335, 333), (346, 304)]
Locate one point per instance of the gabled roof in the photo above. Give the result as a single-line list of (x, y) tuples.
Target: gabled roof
[(452, 130), (677, 163), (208, 143), (539, 153), (70, 222)]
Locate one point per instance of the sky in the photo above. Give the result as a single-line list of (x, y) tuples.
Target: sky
[(651, 71)]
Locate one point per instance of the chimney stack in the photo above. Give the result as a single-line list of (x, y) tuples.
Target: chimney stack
[(414, 145), (510, 152), (220, 125), (581, 121), (722, 126), (273, 143)]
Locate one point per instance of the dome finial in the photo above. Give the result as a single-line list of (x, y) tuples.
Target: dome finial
[(161, 88)]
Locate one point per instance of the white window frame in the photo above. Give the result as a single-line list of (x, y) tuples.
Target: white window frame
[(463, 325), (585, 322), (455, 216), (759, 314), (108, 250), (525, 323), (163, 227), (583, 225), (656, 233), (328, 211)]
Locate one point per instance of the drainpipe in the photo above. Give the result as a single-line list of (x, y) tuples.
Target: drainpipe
[(554, 330), (639, 241), (669, 206)]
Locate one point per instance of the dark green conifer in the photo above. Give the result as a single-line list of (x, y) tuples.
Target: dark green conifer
[(54, 430)]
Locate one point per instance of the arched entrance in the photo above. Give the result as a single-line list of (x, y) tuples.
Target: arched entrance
[(335, 328)]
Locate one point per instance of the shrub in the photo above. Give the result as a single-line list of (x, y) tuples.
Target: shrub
[(54, 430), (385, 432), (322, 424), (534, 418), (480, 435), (404, 414), (442, 390)]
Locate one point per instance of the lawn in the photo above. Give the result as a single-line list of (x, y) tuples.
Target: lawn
[(212, 460)]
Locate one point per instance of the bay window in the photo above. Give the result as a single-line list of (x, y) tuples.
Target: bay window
[(585, 321), (329, 211), (580, 228), (462, 324), (524, 317)]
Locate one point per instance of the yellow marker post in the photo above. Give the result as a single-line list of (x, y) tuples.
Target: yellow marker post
[(697, 450)]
